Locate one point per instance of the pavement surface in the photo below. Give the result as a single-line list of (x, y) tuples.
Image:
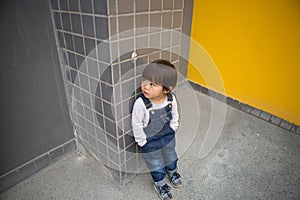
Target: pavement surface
[(252, 159)]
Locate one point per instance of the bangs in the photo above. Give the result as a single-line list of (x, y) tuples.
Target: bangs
[(161, 74)]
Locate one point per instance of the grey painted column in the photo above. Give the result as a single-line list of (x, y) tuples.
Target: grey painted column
[(36, 129)]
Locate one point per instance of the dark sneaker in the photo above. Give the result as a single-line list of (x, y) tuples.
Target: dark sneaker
[(176, 180), (163, 192)]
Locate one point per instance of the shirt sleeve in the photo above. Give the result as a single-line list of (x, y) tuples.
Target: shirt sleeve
[(175, 116), (138, 116)]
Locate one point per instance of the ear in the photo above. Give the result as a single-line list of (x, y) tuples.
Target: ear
[(166, 91)]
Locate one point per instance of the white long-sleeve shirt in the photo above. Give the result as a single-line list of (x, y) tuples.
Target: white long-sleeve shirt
[(140, 118)]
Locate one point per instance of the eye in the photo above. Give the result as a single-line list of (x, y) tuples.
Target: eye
[(152, 84)]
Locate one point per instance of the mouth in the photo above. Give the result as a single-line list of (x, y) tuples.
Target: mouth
[(145, 93)]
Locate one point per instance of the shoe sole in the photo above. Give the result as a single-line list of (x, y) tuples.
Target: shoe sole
[(176, 186), (159, 193)]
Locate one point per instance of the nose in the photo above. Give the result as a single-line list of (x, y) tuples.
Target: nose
[(146, 86)]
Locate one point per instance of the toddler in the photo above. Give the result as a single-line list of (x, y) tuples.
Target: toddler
[(154, 122)]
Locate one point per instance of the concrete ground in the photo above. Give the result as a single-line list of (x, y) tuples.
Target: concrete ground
[(252, 159)]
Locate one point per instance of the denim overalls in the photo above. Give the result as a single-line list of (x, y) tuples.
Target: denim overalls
[(159, 151)]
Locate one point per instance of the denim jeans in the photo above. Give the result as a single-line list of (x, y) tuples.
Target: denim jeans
[(160, 156)]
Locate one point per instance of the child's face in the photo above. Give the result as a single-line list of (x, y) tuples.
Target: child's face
[(153, 91)]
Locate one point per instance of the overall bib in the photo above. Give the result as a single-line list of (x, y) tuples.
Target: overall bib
[(159, 151)]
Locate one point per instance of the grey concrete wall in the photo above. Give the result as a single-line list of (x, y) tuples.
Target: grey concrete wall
[(34, 114)]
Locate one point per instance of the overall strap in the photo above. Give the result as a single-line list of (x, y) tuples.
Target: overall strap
[(146, 101), (170, 96), (170, 99)]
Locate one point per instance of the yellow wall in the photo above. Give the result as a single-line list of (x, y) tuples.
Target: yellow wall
[(255, 45)]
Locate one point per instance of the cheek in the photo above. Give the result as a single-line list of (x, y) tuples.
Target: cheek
[(158, 91)]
